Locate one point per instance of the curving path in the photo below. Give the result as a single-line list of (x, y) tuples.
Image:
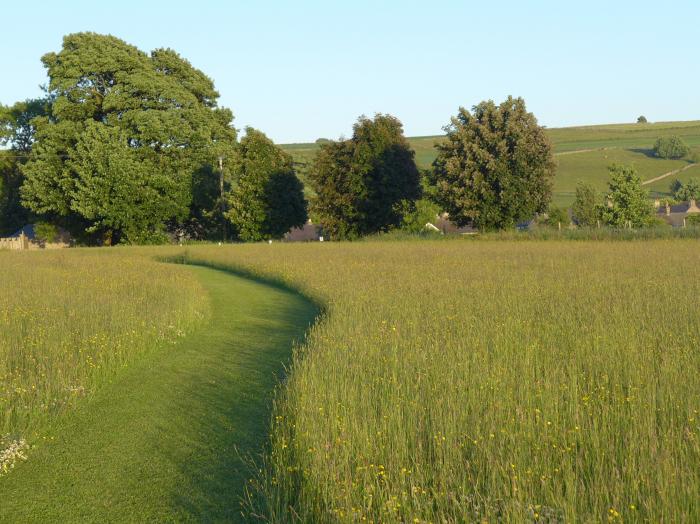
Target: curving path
[(164, 441)]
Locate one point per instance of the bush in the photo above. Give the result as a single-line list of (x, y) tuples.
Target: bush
[(415, 220), (642, 120), (585, 208), (692, 220), (45, 232), (671, 147), (556, 216)]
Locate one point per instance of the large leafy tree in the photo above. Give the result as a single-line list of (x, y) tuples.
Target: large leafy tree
[(628, 202), (368, 183), (266, 199), (125, 136), (496, 166), (17, 133)]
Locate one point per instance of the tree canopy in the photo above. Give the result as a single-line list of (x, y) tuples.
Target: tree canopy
[(689, 190), (266, 199), (627, 201), (125, 135), (368, 183), (496, 166), (17, 133)]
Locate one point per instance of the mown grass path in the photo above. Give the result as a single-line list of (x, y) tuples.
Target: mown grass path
[(164, 440)]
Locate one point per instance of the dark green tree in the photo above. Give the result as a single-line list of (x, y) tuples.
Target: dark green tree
[(17, 133), (672, 147), (627, 202), (585, 208), (689, 190), (368, 183), (495, 169), (154, 117), (642, 120), (266, 199)]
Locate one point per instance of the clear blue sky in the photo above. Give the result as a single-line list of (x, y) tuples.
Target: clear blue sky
[(300, 70)]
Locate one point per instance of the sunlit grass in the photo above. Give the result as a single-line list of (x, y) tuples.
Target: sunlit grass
[(69, 320), (458, 381)]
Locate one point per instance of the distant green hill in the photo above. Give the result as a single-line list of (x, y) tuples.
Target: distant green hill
[(582, 153)]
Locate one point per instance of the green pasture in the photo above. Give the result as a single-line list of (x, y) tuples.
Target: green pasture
[(582, 153)]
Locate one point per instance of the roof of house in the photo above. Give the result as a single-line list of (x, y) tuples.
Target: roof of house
[(28, 231), (677, 213), (443, 224), (307, 233)]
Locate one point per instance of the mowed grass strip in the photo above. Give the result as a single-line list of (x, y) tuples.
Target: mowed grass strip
[(167, 440), (459, 381)]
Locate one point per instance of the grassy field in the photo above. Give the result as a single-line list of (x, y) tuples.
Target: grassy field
[(169, 438), (71, 320), (540, 381), (445, 381), (583, 153)]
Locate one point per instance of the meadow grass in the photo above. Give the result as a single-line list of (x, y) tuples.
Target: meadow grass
[(460, 381), (170, 438), (70, 319)]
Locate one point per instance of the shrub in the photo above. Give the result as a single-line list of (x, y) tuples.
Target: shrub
[(671, 147), (45, 232), (585, 209), (556, 216), (692, 220)]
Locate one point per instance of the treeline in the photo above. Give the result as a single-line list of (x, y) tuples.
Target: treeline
[(130, 147), (133, 147)]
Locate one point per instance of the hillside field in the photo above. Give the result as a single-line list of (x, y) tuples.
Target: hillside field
[(582, 153)]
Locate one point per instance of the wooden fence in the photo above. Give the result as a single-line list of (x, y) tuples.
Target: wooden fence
[(15, 243)]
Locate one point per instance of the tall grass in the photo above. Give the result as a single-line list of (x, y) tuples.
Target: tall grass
[(70, 319), (459, 381)]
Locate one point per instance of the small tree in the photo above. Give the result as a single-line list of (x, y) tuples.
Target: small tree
[(627, 201), (689, 190), (642, 120), (496, 166), (267, 199), (671, 147), (368, 183), (585, 208), (45, 232)]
